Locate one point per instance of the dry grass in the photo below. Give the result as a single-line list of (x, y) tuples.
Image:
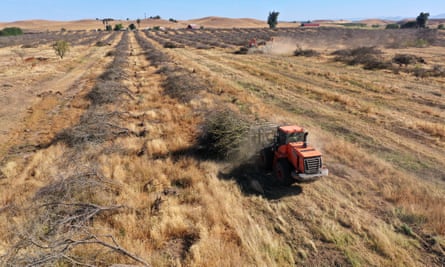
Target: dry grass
[(149, 194), (434, 129)]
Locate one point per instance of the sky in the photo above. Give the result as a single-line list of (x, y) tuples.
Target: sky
[(290, 10)]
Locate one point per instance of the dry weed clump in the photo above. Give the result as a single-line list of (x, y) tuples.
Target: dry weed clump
[(407, 59), (436, 71), (306, 53), (223, 135), (369, 57), (171, 44)]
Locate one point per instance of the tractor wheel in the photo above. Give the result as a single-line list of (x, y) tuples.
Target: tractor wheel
[(282, 172), (266, 158)]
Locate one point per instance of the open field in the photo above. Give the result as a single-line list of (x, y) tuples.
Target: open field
[(101, 160)]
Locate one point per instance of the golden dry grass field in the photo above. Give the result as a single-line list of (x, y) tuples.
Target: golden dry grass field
[(102, 160)]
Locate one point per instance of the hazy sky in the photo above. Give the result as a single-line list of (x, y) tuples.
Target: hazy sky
[(290, 10)]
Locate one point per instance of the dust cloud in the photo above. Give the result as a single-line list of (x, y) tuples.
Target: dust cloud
[(280, 46)]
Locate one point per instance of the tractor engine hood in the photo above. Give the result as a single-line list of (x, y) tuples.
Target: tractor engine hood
[(304, 151)]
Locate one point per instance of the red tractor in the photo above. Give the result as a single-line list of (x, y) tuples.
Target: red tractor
[(291, 158)]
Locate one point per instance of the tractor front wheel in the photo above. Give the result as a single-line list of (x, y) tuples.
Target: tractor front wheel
[(266, 158), (282, 171)]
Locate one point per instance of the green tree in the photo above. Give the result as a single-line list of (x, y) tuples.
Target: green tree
[(61, 47), (410, 25), (138, 21), (392, 26), (272, 19), (11, 31), (422, 20), (118, 27), (132, 27), (108, 28)]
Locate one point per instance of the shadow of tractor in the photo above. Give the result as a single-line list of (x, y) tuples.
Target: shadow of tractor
[(247, 173), (254, 180)]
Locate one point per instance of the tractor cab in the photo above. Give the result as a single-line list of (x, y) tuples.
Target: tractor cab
[(290, 134), (291, 158)]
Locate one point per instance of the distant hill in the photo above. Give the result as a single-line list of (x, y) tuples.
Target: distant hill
[(440, 16), (220, 22), (91, 24)]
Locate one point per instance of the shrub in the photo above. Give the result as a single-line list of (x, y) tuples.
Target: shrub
[(392, 26), (61, 47), (110, 54), (108, 28), (420, 43), (420, 72), (369, 57), (172, 45), (356, 56), (34, 45), (132, 27), (118, 27), (101, 43), (406, 59), (242, 51), (438, 71), (377, 65), (368, 50), (441, 27), (11, 31), (409, 25), (173, 20)]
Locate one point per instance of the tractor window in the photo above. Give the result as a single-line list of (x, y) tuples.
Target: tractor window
[(295, 137), (282, 138)]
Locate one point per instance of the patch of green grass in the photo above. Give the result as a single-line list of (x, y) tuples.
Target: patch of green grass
[(409, 218), (406, 230), (354, 258), (419, 43), (249, 86), (281, 255), (405, 161)]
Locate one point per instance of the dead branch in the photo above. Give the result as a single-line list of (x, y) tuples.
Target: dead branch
[(84, 212), (91, 239), (115, 247)]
